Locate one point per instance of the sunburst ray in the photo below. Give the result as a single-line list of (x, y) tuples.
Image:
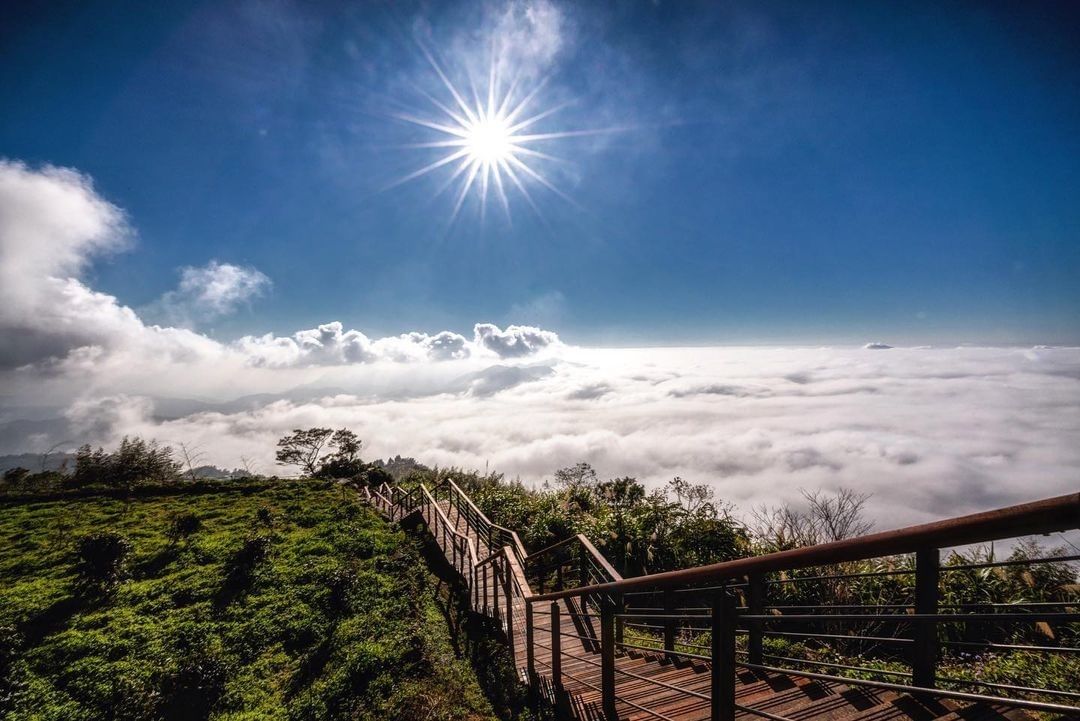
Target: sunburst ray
[(486, 148)]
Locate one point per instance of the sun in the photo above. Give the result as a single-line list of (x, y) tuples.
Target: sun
[(490, 143)]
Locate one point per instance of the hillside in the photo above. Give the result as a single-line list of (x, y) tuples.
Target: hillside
[(286, 601)]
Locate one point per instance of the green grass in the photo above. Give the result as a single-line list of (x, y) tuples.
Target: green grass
[(340, 620)]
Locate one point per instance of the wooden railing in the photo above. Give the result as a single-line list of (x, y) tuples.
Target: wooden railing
[(723, 613)]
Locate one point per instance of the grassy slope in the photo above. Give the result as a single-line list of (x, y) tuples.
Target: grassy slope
[(339, 622)]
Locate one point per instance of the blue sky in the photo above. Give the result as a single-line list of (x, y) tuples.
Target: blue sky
[(840, 173)]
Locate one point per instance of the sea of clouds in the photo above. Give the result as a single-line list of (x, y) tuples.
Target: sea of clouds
[(928, 431)]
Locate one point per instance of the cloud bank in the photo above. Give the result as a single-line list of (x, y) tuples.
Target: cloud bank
[(928, 431)]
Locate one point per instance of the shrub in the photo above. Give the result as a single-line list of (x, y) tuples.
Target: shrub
[(183, 525), (265, 517), (135, 461), (335, 467), (15, 476), (101, 559), (375, 476), (255, 550)]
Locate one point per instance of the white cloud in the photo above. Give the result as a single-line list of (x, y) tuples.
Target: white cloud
[(928, 432), (98, 419), (211, 291), (530, 36), (53, 224), (331, 344), (514, 342)]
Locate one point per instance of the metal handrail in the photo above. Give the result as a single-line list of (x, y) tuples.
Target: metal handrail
[(905, 688), (1054, 514), (518, 546), (469, 545), (589, 568), (1046, 516)]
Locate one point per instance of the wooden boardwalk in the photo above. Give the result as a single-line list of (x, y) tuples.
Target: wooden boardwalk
[(654, 685)]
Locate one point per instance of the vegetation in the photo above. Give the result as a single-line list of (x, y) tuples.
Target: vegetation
[(683, 525), (129, 585), (680, 525), (135, 461), (290, 601)]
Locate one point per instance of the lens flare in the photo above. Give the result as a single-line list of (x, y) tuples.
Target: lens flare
[(490, 144)]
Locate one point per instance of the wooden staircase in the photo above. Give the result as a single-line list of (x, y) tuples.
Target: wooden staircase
[(568, 642)]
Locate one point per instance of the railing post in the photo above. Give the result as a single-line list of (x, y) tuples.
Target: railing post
[(509, 587), (669, 621), (755, 601), (723, 656), (620, 607), (925, 648), (485, 604), (607, 656), (530, 662), (556, 645), (475, 588), (583, 571), (496, 580)]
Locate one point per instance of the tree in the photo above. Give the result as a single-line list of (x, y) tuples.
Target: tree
[(135, 461), (825, 518), (623, 495), (693, 497), (192, 457), (576, 477), (52, 449), (347, 445), (345, 461), (303, 448)]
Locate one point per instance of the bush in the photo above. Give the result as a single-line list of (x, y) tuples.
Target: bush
[(16, 476), (243, 564), (183, 525), (22, 480), (101, 559), (265, 517), (375, 476), (335, 467), (135, 461)]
